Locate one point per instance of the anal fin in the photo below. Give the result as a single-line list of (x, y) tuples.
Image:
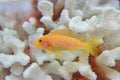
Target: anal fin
[(58, 54)]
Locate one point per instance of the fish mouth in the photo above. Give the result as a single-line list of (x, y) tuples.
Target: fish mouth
[(36, 44)]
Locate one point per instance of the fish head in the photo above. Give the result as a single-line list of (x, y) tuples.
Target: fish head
[(43, 43)]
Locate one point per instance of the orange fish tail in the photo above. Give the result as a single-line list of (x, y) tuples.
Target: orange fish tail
[(91, 50), (92, 45)]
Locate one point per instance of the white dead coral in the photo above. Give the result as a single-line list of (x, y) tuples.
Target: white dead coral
[(108, 3), (85, 68), (64, 18), (70, 5), (68, 56), (111, 41), (56, 69), (11, 23), (9, 60), (82, 66), (83, 8), (40, 56), (71, 67), (107, 22), (71, 17), (110, 19), (17, 46), (3, 41), (77, 24), (34, 72), (17, 69), (29, 27), (109, 57), (95, 7), (14, 77), (88, 8), (46, 8), (110, 73)]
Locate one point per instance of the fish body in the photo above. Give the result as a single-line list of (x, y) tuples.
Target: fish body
[(61, 42), (56, 43)]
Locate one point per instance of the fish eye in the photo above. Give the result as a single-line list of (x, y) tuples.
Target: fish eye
[(40, 40)]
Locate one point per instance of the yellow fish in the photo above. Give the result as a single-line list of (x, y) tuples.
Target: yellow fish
[(56, 42)]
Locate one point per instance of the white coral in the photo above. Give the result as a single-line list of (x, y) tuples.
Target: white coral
[(106, 23), (110, 73), (77, 24), (64, 18), (85, 68), (109, 57), (5, 47), (40, 56), (34, 72), (112, 40), (46, 8), (17, 47), (10, 22), (29, 27), (48, 22), (9, 60), (14, 77), (74, 15), (71, 67), (110, 19), (70, 6), (17, 69), (95, 7), (56, 69)]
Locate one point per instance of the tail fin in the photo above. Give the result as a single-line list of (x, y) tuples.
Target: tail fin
[(92, 45)]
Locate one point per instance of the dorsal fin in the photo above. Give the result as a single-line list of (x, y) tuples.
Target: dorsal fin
[(70, 33)]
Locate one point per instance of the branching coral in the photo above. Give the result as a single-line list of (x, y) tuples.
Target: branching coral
[(34, 72), (110, 73), (96, 18), (85, 68), (3, 24), (58, 70), (47, 12), (17, 46), (11, 77), (17, 69), (111, 56), (78, 25)]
